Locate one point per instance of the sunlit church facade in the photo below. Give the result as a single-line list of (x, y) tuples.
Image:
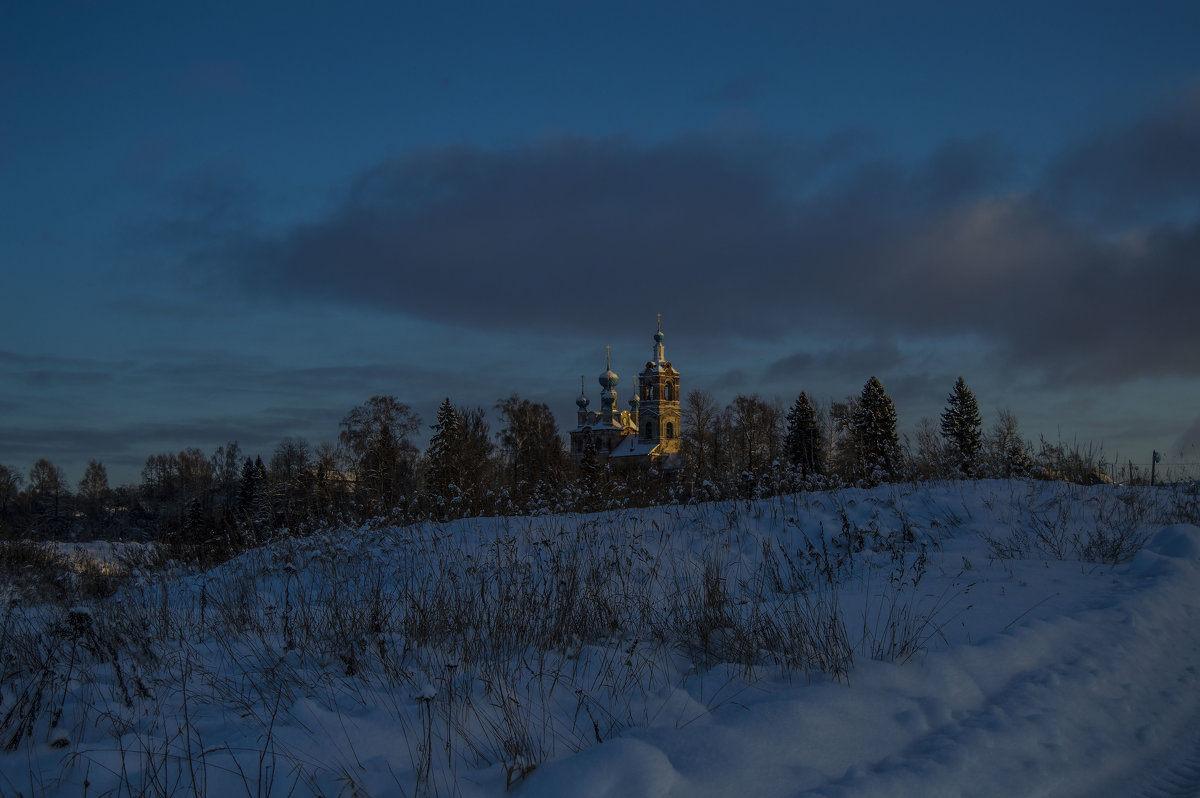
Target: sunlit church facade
[(648, 433)]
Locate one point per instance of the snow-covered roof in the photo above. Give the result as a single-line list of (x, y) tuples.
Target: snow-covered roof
[(597, 420), (630, 446), (658, 366)]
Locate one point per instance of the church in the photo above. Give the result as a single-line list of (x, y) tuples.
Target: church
[(648, 433)]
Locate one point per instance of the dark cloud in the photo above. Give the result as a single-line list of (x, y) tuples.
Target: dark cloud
[(754, 238), (878, 357), (964, 169), (1144, 172), (202, 212), (732, 380), (792, 367), (514, 239), (517, 239), (918, 389)]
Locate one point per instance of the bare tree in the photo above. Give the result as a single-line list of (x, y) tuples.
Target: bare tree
[(474, 454), (533, 450), (94, 494), (930, 460), (331, 487), (701, 438), (1008, 453), (756, 439), (10, 499), (49, 494), (843, 446), (290, 478), (226, 466), (375, 436)]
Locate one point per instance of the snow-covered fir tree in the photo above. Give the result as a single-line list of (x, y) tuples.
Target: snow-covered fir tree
[(805, 444), (962, 428), (873, 427), (443, 452)]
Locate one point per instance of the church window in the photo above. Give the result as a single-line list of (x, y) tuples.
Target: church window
[(670, 430), (667, 392)]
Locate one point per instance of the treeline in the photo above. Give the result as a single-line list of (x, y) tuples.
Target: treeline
[(753, 447), (375, 474)]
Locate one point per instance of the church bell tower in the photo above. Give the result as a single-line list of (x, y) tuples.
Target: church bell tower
[(659, 416)]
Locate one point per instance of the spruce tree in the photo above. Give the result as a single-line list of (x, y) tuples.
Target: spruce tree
[(805, 444), (589, 465), (873, 427), (443, 452), (248, 486), (962, 428), (195, 522), (592, 478)]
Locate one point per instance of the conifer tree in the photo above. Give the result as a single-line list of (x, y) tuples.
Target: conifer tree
[(195, 522), (593, 481), (443, 453), (250, 485), (589, 465), (247, 486), (873, 427), (805, 444), (962, 428)]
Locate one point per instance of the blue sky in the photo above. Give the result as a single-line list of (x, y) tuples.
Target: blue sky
[(238, 221)]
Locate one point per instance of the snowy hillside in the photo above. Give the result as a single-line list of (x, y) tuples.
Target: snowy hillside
[(987, 638)]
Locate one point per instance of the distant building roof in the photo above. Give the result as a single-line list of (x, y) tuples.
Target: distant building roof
[(630, 446)]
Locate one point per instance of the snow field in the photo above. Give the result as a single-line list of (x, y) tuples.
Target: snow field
[(860, 642)]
